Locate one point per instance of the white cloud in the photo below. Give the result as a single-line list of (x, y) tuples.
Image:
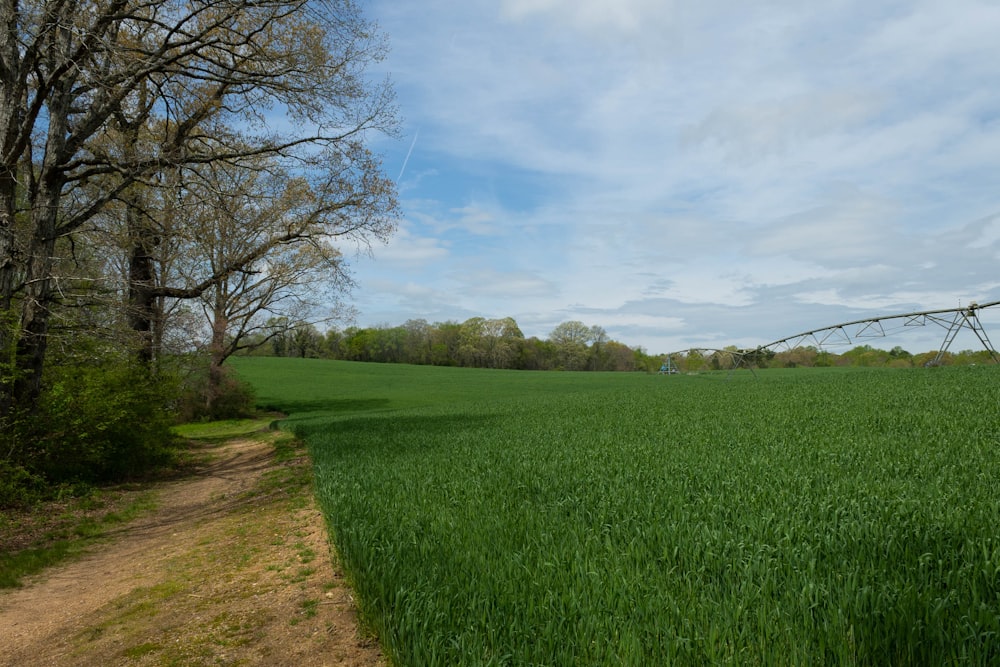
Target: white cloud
[(514, 286), (855, 229), (748, 132), (742, 168), (475, 219), (987, 233), (595, 17), (409, 248)]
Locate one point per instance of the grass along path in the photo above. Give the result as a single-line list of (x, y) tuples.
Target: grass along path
[(232, 567)]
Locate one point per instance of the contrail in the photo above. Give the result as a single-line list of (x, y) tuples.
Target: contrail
[(407, 158)]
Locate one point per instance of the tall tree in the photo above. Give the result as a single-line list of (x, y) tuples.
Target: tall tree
[(598, 354), (181, 83), (571, 339), (418, 341), (240, 217), (502, 339)]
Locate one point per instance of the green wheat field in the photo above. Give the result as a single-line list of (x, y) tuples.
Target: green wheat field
[(792, 517)]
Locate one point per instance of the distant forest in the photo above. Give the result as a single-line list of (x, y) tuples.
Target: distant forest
[(571, 346)]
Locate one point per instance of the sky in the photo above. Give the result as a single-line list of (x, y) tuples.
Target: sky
[(690, 173)]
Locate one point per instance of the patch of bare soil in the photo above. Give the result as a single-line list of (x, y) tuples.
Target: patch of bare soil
[(232, 568)]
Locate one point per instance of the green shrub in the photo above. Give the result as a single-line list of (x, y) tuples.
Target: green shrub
[(18, 487), (92, 424), (231, 398), (103, 423)]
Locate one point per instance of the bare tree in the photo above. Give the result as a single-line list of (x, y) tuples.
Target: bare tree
[(126, 95), (242, 217)]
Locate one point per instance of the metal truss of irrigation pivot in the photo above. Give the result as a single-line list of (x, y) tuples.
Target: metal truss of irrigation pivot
[(952, 320)]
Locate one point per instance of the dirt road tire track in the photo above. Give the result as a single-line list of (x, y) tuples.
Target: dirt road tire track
[(233, 567)]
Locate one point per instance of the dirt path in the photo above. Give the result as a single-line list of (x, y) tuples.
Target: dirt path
[(233, 567)]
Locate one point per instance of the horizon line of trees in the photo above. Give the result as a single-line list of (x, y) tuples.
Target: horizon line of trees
[(571, 346), (477, 343)]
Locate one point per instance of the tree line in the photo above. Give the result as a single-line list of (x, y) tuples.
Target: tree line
[(574, 346), (477, 342)]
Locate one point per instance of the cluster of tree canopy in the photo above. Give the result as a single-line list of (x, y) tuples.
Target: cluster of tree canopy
[(478, 342), (172, 175), (499, 343)]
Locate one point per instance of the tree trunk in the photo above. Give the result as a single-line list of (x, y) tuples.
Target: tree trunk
[(11, 99), (8, 318), (143, 310), (33, 340), (32, 343), (8, 249), (217, 356)]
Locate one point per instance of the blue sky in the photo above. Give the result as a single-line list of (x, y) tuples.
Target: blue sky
[(688, 174)]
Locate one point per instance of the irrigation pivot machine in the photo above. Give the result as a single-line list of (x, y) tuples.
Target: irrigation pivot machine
[(952, 320)]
